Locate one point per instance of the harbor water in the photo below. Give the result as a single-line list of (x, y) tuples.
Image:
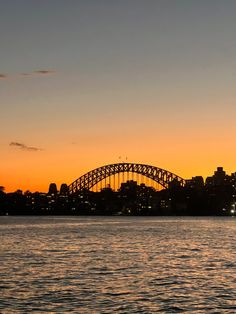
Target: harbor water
[(117, 265)]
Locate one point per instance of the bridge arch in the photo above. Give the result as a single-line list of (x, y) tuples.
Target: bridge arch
[(91, 178)]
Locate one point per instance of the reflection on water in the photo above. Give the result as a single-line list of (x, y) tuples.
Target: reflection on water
[(117, 265)]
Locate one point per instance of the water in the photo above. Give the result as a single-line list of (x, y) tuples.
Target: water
[(117, 265)]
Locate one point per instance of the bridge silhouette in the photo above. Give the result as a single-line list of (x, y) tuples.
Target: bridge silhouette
[(93, 177)]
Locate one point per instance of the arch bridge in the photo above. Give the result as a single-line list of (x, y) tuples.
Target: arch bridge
[(91, 178)]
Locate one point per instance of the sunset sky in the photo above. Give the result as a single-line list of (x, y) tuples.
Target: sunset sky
[(83, 82)]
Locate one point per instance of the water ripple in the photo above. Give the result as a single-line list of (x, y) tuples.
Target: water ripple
[(117, 265)]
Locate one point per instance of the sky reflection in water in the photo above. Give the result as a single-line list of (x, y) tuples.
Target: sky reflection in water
[(117, 264)]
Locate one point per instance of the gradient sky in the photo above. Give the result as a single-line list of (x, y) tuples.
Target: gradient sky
[(84, 82)]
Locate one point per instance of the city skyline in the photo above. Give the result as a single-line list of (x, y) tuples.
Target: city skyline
[(95, 194), (85, 83)]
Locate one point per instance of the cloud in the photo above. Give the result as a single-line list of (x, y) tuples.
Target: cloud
[(44, 72), (38, 72), (3, 76), (24, 147), (25, 74)]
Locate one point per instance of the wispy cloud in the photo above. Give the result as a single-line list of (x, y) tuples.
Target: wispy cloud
[(24, 147), (25, 74), (44, 72), (3, 76)]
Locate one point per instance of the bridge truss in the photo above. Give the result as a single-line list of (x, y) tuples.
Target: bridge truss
[(93, 177)]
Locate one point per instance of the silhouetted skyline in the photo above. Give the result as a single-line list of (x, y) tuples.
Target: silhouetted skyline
[(84, 82), (194, 197)]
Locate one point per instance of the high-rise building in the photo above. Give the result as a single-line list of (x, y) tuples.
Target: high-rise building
[(218, 179), (52, 188), (64, 189)]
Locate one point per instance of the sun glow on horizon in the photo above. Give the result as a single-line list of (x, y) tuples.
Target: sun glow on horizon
[(152, 81)]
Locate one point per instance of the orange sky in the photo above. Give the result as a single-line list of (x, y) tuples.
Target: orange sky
[(184, 154), (152, 81)]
